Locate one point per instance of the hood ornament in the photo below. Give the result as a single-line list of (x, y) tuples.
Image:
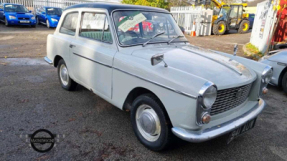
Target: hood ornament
[(235, 49)]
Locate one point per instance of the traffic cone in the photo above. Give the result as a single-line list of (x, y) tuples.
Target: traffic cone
[(193, 33)]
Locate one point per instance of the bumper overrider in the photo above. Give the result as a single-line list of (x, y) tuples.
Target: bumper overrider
[(219, 130)]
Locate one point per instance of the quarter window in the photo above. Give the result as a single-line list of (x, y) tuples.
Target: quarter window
[(70, 23), (95, 26)]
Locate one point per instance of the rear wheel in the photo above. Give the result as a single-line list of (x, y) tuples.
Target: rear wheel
[(284, 82), (150, 123), (244, 27), (64, 78), (219, 28)]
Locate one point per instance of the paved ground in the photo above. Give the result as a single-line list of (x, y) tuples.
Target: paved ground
[(31, 98)]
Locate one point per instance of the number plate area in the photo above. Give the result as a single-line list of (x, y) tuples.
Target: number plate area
[(24, 21), (240, 130)]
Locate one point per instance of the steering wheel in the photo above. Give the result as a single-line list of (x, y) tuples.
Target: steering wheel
[(122, 35)]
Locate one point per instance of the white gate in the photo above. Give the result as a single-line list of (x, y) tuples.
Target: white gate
[(186, 16)]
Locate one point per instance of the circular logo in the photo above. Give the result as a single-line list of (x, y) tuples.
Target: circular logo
[(42, 140)]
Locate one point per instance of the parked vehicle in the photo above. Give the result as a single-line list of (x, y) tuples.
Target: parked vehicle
[(16, 14), (278, 60), (169, 86), (251, 19), (48, 16)]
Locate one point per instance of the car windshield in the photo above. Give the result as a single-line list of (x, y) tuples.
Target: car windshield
[(15, 8), (54, 11), (138, 27)]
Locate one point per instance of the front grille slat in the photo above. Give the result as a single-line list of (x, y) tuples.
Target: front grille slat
[(230, 98)]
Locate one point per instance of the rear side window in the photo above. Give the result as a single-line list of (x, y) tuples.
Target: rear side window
[(69, 24), (95, 26)]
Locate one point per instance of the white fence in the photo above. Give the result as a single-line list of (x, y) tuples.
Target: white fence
[(185, 16), (263, 25), (34, 4)]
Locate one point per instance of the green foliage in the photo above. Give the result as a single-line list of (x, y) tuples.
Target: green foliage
[(152, 3), (253, 51)]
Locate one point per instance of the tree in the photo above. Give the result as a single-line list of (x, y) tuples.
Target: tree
[(152, 3)]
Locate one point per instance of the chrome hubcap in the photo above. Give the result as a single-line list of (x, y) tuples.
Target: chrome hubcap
[(64, 75), (148, 123)]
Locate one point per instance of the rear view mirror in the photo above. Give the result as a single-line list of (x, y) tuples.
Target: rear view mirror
[(1, 9)]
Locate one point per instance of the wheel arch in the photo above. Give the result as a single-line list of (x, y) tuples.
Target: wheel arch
[(137, 91), (281, 76), (56, 60)]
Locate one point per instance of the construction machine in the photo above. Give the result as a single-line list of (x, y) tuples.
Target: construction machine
[(230, 16)]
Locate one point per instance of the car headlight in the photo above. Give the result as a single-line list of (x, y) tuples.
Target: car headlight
[(265, 79), (206, 98), (12, 17), (54, 19), (33, 18)]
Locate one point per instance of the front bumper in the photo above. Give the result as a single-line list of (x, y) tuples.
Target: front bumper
[(49, 61), (17, 22), (219, 130)]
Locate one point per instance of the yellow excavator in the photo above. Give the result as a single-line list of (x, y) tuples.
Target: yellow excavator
[(230, 17)]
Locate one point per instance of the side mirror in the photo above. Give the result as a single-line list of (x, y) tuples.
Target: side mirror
[(156, 59), (1, 9), (30, 11), (43, 12), (235, 49)]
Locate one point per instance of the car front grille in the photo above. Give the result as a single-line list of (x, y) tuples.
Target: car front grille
[(24, 18), (230, 98)]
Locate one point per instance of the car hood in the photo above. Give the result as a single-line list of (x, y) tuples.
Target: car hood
[(221, 70), (20, 15)]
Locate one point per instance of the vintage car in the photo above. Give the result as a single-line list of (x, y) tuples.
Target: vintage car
[(169, 86), (48, 16), (278, 60), (16, 14)]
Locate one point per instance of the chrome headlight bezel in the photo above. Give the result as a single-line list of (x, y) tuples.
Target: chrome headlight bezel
[(33, 18), (208, 91), (265, 78)]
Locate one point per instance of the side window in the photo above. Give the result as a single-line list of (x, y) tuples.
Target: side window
[(95, 26), (1, 7), (69, 24)]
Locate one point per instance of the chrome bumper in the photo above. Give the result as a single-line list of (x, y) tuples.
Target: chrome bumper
[(216, 131), (48, 60)]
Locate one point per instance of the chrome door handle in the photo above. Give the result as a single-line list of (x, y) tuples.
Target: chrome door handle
[(71, 45)]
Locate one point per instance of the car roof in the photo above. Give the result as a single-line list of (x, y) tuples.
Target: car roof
[(50, 7), (115, 6)]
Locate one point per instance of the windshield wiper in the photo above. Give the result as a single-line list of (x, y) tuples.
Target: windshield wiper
[(178, 36), (154, 36)]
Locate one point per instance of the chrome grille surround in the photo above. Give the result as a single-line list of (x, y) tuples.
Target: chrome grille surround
[(230, 98)]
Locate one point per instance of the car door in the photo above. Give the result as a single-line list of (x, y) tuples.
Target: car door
[(43, 15), (233, 16), (92, 53)]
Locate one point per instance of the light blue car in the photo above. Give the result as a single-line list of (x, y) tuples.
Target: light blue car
[(48, 16), (16, 14)]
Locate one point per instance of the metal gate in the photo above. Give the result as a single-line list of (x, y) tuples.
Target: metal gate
[(186, 16)]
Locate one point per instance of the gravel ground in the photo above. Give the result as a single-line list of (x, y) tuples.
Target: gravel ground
[(31, 98)]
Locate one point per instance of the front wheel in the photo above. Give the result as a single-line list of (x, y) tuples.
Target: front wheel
[(219, 28), (244, 27), (64, 78), (150, 123), (284, 82), (6, 22), (48, 23)]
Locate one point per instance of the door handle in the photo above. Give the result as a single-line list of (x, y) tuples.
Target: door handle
[(71, 45)]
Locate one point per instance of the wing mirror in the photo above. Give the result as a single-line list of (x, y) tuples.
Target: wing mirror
[(156, 59), (30, 11), (43, 13), (1, 9)]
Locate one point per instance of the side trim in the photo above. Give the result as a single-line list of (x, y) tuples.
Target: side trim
[(166, 87), (48, 60), (93, 60), (158, 84)]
